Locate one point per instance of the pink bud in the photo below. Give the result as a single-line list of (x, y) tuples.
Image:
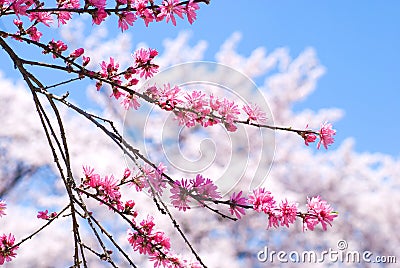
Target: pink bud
[(17, 23), (77, 53), (86, 60), (127, 173)]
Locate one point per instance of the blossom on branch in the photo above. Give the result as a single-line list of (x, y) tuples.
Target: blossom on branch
[(200, 189), (255, 114), (326, 134), (319, 211), (190, 9), (7, 251), (125, 19), (236, 201), (143, 58), (143, 12), (168, 9)]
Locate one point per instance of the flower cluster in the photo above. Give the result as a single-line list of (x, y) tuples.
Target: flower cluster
[(106, 187), (56, 47), (325, 134), (143, 67), (195, 107), (200, 189), (143, 238), (237, 202), (149, 178), (319, 211), (44, 215), (7, 248), (126, 11), (263, 201), (285, 212), (147, 240)]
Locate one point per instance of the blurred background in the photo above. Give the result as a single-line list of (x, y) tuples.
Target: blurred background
[(312, 61)]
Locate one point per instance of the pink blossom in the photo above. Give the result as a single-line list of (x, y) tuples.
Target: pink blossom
[(99, 16), (161, 240), (7, 251), (64, 16), (17, 23), (94, 181), (132, 82), (109, 69), (128, 74), (196, 100), (128, 208), (180, 194), (3, 207), (43, 215), (77, 53), (309, 137), (191, 8), (85, 60), (20, 6), (262, 200), (43, 17), (115, 92), (139, 181), (127, 173), (326, 134), (205, 188), (100, 4), (125, 19), (169, 97), (319, 211), (152, 92), (168, 9), (129, 204), (273, 218), (186, 118), (143, 59), (106, 188), (229, 111), (88, 171), (130, 101), (139, 243), (155, 178), (255, 114), (215, 102), (288, 212), (34, 34), (143, 12), (110, 187), (57, 47), (236, 201), (161, 260), (143, 241)]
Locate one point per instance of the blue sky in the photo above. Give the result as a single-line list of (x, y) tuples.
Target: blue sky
[(357, 41)]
